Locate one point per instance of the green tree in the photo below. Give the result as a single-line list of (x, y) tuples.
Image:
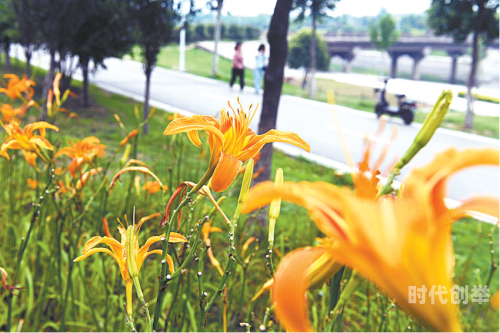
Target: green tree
[(383, 34), (29, 27), (252, 33), (59, 20), (199, 31), (235, 32), (8, 28), (316, 9), (300, 56), (459, 18), (216, 5), (105, 32), (155, 20)]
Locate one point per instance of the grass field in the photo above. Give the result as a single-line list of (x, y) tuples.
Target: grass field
[(88, 295), (199, 62)]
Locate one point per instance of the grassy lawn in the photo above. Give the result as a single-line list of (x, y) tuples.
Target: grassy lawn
[(199, 62), (174, 159)]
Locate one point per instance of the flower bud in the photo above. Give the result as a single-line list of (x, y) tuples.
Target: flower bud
[(274, 208), (431, 124)]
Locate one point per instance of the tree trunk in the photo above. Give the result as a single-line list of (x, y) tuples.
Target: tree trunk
[(469, 114), (148, 71), (312, 51), (304, 80), (85, 89), (273, 81), (47, 84), (453, 73), (7, 56), (27, 54), (217, 38)]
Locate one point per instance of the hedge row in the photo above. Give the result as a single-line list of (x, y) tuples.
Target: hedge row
[(201, 32)]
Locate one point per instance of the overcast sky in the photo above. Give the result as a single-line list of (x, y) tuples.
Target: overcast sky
[(350, 7)]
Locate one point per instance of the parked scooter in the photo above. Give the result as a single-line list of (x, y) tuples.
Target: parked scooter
[(405, 109)]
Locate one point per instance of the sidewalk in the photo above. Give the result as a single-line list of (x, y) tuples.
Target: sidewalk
[(420, 91)]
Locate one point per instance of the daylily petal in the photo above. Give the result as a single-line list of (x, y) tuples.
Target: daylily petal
[(255, 145), (41, 126), (481, 204), (170, 263), (322, 270), (176, 238), (309, 195), (30, 158), (436, 173), (41, 142), (194, 138), (194, 123), (141, 258), (96, 250), (68, 151), (266, 287), (290, 286), (144, 219), (225, 172)]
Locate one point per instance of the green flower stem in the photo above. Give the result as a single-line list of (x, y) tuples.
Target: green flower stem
[(75, 245), (354, 282), (200, 280), (161, 290), (387, 189), (21, 252), (130, 322)]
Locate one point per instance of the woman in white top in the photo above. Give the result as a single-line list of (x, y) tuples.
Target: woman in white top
[(260, 66)]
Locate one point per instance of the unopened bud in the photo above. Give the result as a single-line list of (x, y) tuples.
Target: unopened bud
[(431, 124)]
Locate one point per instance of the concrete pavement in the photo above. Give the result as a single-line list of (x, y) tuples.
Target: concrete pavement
[(312, 120)]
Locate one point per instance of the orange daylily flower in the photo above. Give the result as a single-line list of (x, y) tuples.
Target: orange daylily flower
[(118, 249), (32, 183), (15, 86), (395, 243), (8, 112), (495, 301), (80, 184), (63, 189), (127, 138), (26, 140), (231, 142), (154, 187), (82, 152), (206, 231)]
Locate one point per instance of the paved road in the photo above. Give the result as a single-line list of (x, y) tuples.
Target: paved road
[(310, 119), (420, 91)]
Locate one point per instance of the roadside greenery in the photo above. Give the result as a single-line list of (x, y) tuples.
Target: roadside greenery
[(45, 290)]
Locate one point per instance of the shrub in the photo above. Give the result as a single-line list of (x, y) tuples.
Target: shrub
[(299, 55)]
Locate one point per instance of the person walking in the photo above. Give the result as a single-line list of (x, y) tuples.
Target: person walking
[(238, 68), (260, 67)]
